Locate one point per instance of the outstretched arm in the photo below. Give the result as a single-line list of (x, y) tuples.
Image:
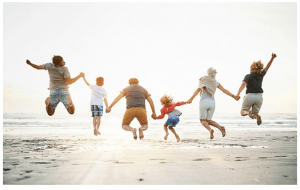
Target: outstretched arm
[(162, 115), (194, 95), (227, 92), (180, 103), (241, 88), (149, 99), (71, 81), (34, 66), (86, 82), (270, 62), (119, 97)]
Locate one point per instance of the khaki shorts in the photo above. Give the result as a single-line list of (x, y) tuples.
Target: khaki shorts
[(206, 109), (138, 112), (252, 101)]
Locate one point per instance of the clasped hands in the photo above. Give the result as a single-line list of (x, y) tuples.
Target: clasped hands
[(236, 97), (108, 109)]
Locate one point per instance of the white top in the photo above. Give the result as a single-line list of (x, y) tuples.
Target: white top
[(97, 95), (175, 112)]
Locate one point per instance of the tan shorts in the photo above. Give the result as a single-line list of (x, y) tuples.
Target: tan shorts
[(252, 100), (138, 112)]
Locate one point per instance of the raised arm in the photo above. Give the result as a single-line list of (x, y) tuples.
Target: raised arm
[(270, 62), (118, 98), (194, 95), (86, 82), (149, 99), (227, 92), (38, 67), (71, 81), (241, 88)]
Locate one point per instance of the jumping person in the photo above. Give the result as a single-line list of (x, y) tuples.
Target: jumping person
[(60, 79), (98, 93), (207, 87), (253, 99), (173, 115), (135, 107)]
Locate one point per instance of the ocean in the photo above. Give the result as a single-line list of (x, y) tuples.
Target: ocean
[(112, 121)]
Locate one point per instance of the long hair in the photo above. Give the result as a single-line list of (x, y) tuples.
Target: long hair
[(166, 100), (257, 67)]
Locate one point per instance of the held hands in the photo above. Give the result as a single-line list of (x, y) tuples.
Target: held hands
[(108, 110), (82, 75), (274, 55), (236, 98), (153, 115), (189, 101)]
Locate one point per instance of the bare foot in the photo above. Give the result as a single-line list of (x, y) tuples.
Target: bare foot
[(98, 132), (211, 134), (95, 132), (258, 120), (223, 131), (141, 135), (177, 137), (134, 133), (166, 136)]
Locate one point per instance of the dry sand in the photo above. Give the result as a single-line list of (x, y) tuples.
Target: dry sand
[(74, 156)]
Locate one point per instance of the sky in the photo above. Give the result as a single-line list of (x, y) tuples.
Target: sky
[(167, 46)]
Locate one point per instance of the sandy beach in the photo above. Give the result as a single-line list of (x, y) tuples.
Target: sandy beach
[(65, 155)]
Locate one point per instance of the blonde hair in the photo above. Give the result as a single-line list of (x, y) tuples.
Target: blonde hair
[(133, 81), (166, 100), (211, 72), (257, 67)]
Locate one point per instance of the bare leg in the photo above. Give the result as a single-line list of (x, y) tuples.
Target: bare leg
[(71, 108), (215, 124), (258, 118), (244, 113), (95, 125), (205, 124), (167, 132), (173, 130), (141, 129), (50, 111), (128, 128), (98, 124), (253, 116)]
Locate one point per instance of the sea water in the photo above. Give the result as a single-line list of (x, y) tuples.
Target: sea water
[(112, 121)]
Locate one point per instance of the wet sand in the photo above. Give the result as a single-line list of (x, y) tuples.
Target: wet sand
[(75, 156)]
